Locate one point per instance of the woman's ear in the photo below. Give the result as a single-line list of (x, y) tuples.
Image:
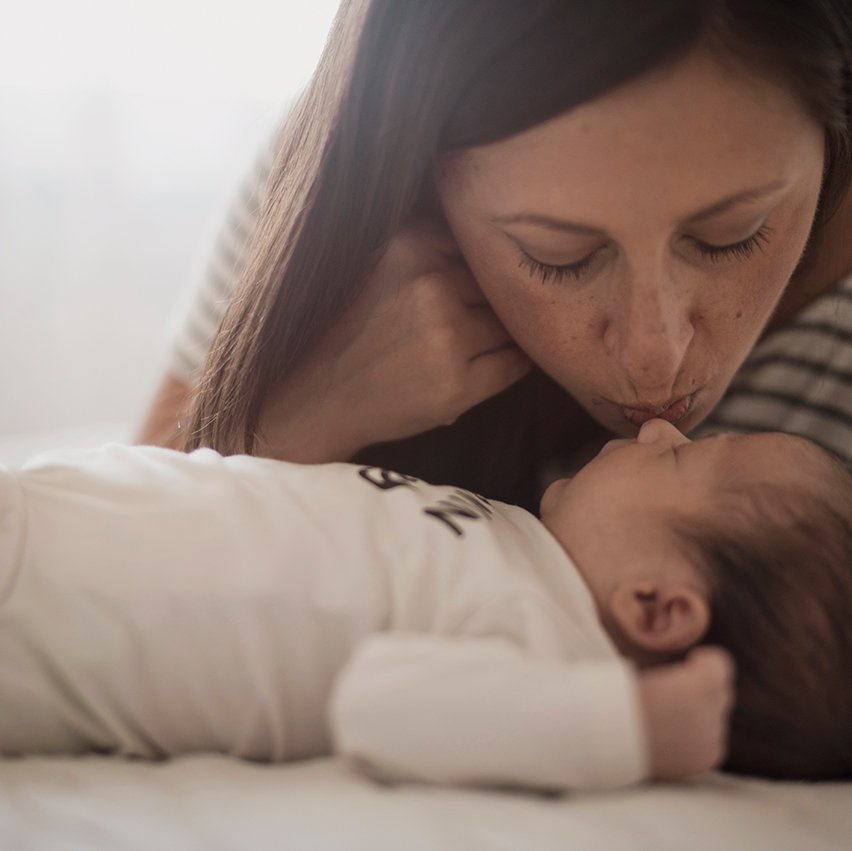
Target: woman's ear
[(660, 616)]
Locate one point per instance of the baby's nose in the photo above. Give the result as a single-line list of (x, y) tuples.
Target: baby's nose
[(659, 431)]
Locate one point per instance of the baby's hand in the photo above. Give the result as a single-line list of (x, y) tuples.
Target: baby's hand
[(687, 706)]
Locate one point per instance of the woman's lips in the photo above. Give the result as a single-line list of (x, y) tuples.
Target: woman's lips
[(672, 412)]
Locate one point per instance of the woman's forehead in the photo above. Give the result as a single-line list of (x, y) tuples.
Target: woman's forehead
[(697, 116)]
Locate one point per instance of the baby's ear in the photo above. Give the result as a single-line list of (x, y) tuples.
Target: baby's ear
[(660, 616)]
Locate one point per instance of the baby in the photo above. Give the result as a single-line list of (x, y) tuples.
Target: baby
[(154, 603)]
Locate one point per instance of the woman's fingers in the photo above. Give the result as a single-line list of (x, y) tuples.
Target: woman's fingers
[(418, 348), (465, 287), (492, 372), (467, 346), (483, 332), (458, 331)]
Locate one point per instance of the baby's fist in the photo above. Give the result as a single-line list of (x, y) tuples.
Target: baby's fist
[(687, 706)]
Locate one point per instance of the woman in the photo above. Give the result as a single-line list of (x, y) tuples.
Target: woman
[(508, 230)]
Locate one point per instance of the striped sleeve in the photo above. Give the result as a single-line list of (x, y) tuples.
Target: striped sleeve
[(798, 379), (197, 320)]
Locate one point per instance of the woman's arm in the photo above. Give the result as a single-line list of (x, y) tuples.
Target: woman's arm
[(418, 348), (164, 420), (168, 409)]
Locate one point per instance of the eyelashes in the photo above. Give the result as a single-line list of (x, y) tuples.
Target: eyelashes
[(741, 250), (556, 273)]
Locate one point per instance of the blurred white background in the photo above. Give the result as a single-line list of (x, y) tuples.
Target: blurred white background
[(125, 126)]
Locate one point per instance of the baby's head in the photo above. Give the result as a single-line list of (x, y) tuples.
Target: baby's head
[(744, 541)]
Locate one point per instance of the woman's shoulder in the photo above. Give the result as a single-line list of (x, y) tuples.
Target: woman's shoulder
[(798, 379)]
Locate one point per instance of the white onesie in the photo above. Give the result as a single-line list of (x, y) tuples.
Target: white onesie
[(155, 603)]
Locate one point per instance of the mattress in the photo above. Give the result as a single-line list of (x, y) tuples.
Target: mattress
[(212, 802)]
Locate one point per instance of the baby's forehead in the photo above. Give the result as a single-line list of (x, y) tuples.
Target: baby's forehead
[(779, 445), (795, 446), (775, 457)]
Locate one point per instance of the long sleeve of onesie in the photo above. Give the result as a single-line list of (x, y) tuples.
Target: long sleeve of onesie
[(481, 711)]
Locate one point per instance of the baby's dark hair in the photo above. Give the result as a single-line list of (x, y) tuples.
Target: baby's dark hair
[(778, 561)]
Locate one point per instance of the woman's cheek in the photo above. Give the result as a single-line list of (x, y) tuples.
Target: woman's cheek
[(766, 279), (536, 314), (746, 293), (753, 292)]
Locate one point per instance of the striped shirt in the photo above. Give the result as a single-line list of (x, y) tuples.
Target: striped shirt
[(198, 319), (798, 379)]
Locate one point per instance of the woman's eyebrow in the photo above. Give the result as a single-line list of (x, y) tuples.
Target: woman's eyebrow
[(554, 223), (547, 222), (754, 194)]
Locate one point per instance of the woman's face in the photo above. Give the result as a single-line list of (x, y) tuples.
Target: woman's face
[(636, 246)]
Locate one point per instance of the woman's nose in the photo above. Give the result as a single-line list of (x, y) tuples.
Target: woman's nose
[(648, 334)]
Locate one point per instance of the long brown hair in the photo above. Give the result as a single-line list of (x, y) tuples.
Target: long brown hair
[(401, 84)]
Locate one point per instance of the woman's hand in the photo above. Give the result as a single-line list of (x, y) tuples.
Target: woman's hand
[(687, 706), (419, 347)]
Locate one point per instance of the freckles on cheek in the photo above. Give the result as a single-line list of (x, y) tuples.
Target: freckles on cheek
[(772, 273), (532, 319), (731, 324), (750, 293), (768, 284), (747, 294), (546, 320), (737, 319), (760, 290), (556, 334)]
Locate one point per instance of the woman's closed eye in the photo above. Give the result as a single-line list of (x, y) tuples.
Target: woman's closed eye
[(736, 250), (559, 272), (556, 273)]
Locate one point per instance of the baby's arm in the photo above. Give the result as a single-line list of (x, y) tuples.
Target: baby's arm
[(482, 711)]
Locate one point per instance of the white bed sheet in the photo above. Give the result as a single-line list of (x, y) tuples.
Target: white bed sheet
[(210, 803)]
